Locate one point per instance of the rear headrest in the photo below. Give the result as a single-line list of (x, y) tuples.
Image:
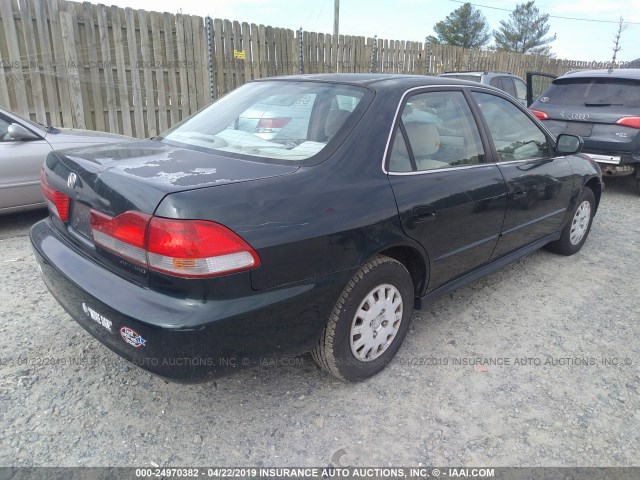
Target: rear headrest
[(423, 137), (335, 119)]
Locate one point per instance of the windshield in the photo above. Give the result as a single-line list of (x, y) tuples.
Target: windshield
[(31, 123), (593, 92), (280, 121)]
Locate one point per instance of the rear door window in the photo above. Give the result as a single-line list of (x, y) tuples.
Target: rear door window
[(507, 86), (521, 89), (496, 82), (436, 130)]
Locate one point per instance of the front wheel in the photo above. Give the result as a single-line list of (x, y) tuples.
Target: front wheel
[(575, 232), (369, 321)]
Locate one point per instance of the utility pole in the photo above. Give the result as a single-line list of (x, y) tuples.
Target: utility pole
[(336, 17), (336, 23)]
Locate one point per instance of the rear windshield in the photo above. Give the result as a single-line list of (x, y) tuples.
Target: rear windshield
[(278, 121), (598, 92)]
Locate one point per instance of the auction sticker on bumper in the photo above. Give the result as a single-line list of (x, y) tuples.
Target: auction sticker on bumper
[(132, 337), (97, 317)]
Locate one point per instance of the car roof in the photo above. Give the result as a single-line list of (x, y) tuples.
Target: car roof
[(478, 72), (631, 73), (374, 80)]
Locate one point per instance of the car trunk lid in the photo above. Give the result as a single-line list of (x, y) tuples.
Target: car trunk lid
[(136, 176)]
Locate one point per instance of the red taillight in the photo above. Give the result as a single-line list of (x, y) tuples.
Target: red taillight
[(58, 202), (270, 123), (123, 234), (540, 114), (633, 122), (186, 248), (193, 248)]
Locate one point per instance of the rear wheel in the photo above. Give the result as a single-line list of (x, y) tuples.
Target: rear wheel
[(369, 321), (575, 232)]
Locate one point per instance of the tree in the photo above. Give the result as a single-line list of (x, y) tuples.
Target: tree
[(464, 27), (616, 41), (525, 31)]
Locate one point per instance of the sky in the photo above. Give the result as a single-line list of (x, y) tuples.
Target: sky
[(588, 39)]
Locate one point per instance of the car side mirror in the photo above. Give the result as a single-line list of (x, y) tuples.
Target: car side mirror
[(569, 144), (19, 133)]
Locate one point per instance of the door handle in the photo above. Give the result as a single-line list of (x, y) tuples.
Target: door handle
[(423, 213)]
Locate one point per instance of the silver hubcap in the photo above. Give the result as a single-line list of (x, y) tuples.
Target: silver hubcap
[(376, 322), (580, 223)]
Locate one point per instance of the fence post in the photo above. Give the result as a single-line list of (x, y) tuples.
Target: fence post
[(300, 52), (210, 55), (374, 55), (427, 50)]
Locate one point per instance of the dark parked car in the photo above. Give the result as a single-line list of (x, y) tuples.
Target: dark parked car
[(603, 107), (210, 248)]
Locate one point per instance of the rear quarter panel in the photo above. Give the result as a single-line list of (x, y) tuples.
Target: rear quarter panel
[(302, 225)]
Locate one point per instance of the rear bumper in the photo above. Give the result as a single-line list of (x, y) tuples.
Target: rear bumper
[(183, 339), (618, 157)]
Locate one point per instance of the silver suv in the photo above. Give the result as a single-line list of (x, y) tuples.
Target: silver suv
[(507, 82)]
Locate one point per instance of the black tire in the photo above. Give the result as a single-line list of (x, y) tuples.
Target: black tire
[(565, 245), (334, 351)]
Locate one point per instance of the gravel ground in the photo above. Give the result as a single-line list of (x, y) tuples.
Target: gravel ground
[(567, 392)]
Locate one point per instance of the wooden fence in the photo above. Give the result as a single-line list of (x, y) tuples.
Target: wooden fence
[(104, 68), (134, 72)]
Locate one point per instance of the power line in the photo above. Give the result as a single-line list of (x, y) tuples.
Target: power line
[(550, 16)]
